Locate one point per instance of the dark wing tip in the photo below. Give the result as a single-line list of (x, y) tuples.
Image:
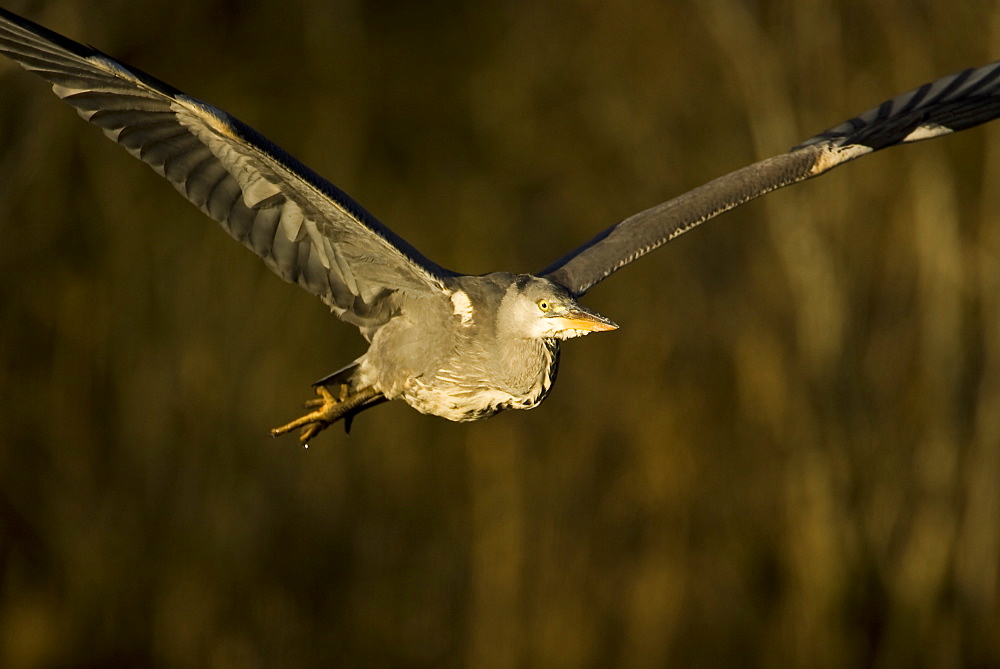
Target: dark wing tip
[(956, 102), (49, 35), (81, 50)]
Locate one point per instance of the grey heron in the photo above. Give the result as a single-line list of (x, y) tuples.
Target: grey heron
[(457, 346)]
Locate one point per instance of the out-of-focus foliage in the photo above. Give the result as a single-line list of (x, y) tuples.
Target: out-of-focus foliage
[(789, 455)]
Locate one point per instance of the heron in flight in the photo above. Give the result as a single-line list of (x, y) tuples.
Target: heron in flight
[(452, 345)]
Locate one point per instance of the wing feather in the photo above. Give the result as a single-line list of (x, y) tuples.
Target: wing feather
[(956, 102), (303, 227)]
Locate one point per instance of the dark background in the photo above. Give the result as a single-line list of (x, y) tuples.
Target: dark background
[(788, 455)]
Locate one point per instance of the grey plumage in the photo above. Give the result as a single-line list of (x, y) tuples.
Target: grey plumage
[(461, 347), (956, 102)]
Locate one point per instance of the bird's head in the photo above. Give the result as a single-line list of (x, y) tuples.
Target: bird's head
[(537, 308)]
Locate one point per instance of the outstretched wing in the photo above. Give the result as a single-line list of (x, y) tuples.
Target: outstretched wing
[(304, 228), (953, 103)]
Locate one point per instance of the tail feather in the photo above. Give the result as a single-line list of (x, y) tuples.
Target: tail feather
[(342, 375)]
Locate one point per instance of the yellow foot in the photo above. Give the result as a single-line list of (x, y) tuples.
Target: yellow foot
[(328, 410)]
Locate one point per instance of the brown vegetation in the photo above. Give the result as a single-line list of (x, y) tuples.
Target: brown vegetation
[(789, 455)]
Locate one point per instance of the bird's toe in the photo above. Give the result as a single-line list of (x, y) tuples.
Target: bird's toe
[(327, 409)]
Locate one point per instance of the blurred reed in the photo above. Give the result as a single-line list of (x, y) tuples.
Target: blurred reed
[(789, 455)]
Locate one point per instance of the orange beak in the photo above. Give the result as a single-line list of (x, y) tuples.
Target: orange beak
[(579, 318)]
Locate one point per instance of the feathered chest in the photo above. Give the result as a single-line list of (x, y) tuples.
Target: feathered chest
[(478, 383)]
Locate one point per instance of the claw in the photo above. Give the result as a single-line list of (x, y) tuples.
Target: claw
[(328, 409)]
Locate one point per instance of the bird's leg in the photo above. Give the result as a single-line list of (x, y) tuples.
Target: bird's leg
[(328, 409)]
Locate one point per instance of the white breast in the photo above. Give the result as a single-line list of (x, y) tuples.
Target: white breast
[(460, 398)]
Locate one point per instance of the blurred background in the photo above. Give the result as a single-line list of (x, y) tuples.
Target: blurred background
[(788, 455)]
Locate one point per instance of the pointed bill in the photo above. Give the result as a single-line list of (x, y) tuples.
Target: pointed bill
[(580, 318)]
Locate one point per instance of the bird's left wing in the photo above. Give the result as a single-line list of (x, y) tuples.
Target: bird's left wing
[(304, 228), (953, 103)]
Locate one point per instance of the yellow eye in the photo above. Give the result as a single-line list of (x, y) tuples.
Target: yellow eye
[(543, 305)]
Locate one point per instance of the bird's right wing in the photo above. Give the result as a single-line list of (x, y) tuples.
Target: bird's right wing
[(956, 102), (304, 228)]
